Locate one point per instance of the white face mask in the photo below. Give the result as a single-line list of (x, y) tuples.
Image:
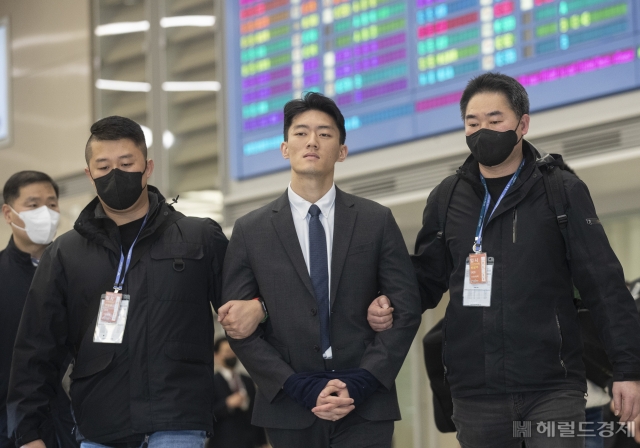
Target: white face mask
[(40, 224)]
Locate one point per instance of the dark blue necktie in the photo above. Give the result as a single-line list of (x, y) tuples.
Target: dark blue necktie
[(319, 269)]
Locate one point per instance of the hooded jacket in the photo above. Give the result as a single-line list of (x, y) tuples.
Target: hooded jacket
[(160, 377), (528, 339)]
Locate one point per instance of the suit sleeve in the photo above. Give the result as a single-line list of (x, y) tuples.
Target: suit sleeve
[(219, 244), (39, 351), (431, 261), (265, 364), (384, 356), (598, 275)]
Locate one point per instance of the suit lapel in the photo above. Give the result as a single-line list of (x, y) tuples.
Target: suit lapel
[(282, 220), (344, 221)]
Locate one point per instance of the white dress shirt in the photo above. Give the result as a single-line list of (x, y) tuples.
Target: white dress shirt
[(301, 216)]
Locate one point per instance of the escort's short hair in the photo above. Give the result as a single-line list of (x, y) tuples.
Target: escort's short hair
[(11, 190), (218, 342), (497, 82), (314, 101), (116, 128)]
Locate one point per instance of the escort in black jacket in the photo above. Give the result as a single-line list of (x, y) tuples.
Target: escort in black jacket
[(159, 378), (31, 209), (527, 340), (296, 349)]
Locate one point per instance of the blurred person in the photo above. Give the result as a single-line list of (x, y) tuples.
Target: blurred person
[(31, 209), (128, 292), (512, 349), (234, 394), (316, 258)]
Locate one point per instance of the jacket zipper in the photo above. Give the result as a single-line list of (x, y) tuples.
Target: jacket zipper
[(560, 351), (515, 223), (444, 349)]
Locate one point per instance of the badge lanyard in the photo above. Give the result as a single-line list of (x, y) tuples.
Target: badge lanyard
[(477, 245), (118, 285)]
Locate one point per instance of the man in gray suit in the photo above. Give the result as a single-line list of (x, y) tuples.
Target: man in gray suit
[(317, 257)]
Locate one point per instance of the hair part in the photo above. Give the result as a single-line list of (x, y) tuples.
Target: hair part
[(218, 342), (116, 128), (314, 101), (12, 187), (513, 91)]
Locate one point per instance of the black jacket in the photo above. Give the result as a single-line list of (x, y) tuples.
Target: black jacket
[(16, 273), (233, 428), (529, 338), (161, 376)]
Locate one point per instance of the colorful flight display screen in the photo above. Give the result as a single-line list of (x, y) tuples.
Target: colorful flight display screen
[(397, 69)]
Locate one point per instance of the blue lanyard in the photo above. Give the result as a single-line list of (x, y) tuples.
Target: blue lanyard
[(477, 245), (120, 284)]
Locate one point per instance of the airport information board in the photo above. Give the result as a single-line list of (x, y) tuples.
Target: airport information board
[(397, 68)]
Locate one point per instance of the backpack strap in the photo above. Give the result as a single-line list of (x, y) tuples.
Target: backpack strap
[(556, 196), (445, 191)]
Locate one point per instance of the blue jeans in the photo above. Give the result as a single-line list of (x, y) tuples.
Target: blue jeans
[(501, 421), (594, 415), (166, 439)]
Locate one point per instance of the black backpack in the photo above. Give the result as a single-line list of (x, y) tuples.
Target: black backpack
[(597, 366)]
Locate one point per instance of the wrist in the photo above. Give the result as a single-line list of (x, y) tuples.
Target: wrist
[(264, 309)]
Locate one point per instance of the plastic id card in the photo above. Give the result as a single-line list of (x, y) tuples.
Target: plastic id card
[(477, 294), (112, 318)]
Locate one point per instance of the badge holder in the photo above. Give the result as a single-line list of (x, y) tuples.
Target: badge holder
[(477, 293), (112, 318)]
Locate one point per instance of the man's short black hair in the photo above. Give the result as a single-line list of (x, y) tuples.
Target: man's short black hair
[(313, 101), (12, 187), (116, 128), (218, 343), (497, 82)]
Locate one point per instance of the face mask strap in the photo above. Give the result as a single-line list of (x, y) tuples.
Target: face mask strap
[(516, 131)]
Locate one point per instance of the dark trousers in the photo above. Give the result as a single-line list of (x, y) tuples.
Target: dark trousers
[(351, 431), (500, 421)]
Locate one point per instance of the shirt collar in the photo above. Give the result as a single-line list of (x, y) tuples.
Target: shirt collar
[(300, 206)]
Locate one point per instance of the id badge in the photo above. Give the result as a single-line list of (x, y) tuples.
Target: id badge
[(112, 318), (477, 294), (477, 268)]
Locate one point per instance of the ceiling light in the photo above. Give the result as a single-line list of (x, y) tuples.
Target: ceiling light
[(192, 86), (125, 86), (111, 29), (170, 22), (168, 139)]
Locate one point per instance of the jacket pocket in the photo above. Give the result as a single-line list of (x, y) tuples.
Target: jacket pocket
[(360, 248), (183, 351), (560, 349), (91, 366), (179, 272)]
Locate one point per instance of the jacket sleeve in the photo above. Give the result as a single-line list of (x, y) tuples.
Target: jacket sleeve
[(598, 275), (384, 356), (39, 351), (219, 244), (263, 362), (431, 260)]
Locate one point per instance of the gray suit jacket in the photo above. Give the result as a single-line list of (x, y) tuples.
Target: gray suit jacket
[(369, 258)]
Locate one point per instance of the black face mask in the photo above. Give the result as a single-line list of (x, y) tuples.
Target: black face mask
[(231, 362), (120, 189), (491, 148)]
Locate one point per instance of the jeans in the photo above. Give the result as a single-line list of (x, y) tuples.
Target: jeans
[(488, 421), (166, 439), (594, 415)]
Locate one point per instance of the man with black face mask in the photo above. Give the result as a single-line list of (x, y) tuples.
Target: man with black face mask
[(512, 349), (128, 292), (233, 405)]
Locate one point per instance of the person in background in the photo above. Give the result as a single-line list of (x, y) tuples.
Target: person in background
[(234, 394), (31, 210)]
